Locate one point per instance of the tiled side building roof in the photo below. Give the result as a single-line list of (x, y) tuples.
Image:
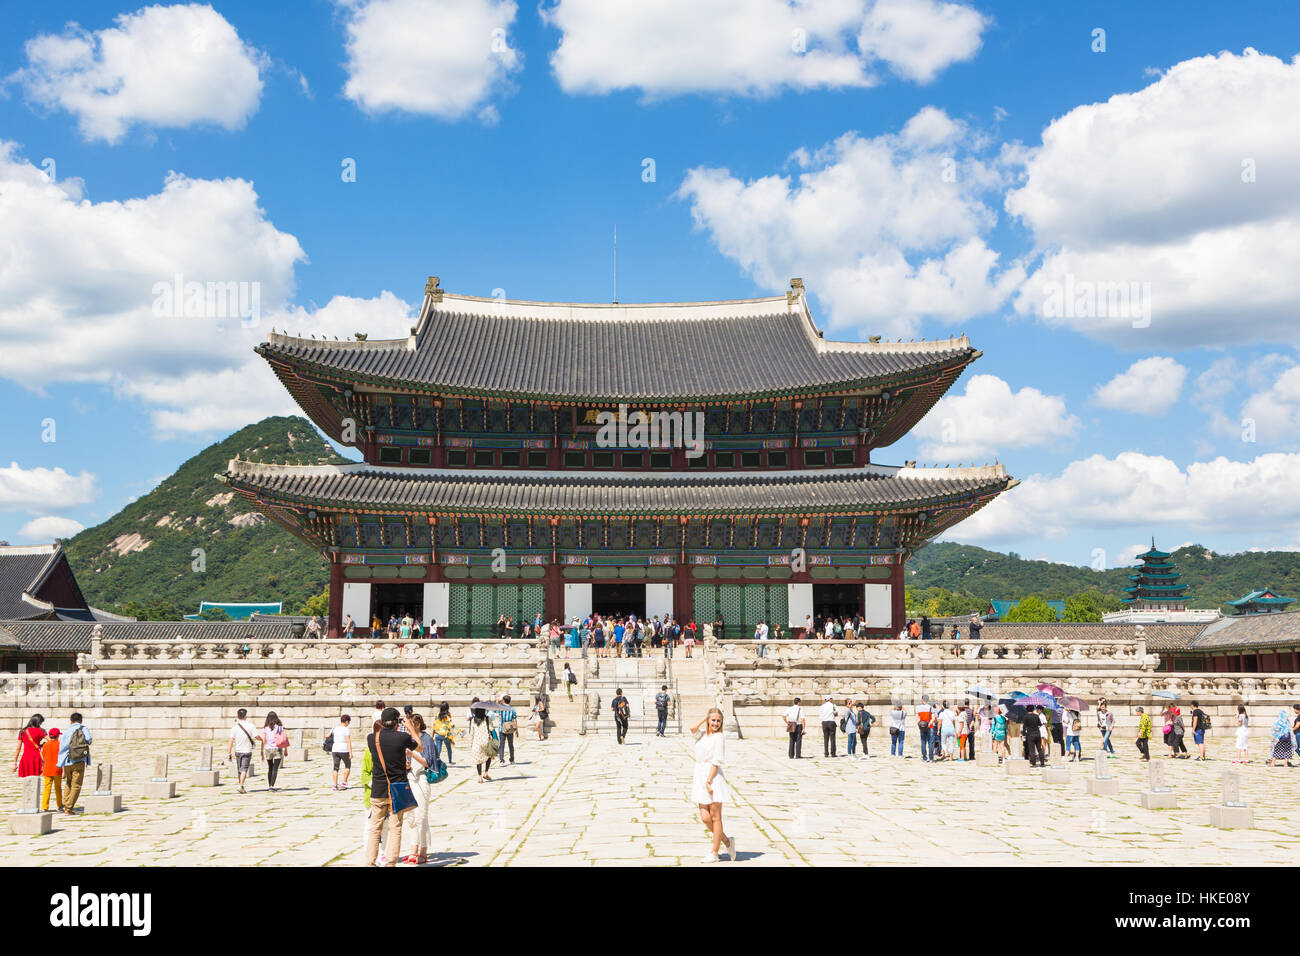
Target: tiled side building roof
[(45, 636), (1280, 629)]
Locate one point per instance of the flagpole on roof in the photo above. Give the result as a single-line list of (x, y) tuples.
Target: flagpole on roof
[(616, 263)]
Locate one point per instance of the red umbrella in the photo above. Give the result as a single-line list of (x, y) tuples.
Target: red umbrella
[(1074, 703), (1052, 689)]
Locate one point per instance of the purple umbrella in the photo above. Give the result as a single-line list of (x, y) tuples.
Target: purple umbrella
[(1052, 689), (1037, 700), (1074, 703)]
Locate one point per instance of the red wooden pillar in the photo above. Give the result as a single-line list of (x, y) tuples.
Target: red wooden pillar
[(336, 600), (897, 596), (683, 594), (554, 598)]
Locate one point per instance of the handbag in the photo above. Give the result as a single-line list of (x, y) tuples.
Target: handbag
[(400, 795), (493, 745), (1076, 726), (436, 774)]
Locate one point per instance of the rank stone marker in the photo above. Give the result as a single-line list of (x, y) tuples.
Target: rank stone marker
[(1017, 765), (1160, 796), (986, 758), (30, 820), (1232, 814), (103, 800), (204, 775), (1056, 775), (1101, 783), (158, 785), (299, 749)]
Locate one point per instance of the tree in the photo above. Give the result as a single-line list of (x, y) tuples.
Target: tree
[(215, 614), (1087, 607), (1031, 610), (318, 604)]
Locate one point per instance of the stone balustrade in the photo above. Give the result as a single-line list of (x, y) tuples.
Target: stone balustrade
[(180, 655), (958, 654)]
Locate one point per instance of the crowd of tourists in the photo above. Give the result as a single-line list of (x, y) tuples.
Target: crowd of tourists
[(952, 731)]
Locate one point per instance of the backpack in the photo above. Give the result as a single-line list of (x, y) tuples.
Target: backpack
[(623, 710), (78, 748), (1205, 721)]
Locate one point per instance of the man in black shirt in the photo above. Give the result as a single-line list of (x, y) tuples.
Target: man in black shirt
[(1031, 733), (621, 713), (388, 754)]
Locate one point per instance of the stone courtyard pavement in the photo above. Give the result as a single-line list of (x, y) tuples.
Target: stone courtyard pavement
[(584, 800)]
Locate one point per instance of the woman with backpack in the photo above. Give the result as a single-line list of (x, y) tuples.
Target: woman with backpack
[(1105, 724), (27, 760), (275, 743), (1071, 725), (538, 718)]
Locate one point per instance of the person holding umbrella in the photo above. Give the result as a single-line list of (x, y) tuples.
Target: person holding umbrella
[(483, 744), (1070, 727)]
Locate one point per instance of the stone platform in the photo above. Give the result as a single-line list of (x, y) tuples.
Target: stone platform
[(575, 801)]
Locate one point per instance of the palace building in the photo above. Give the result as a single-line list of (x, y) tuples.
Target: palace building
[(535, 457)]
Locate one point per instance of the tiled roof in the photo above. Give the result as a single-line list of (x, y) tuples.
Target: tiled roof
[(21, 569), (612, 493), (1257, 597), (1160, 637), (76, 636), (1279, 628), (49, 635), (646, 352)]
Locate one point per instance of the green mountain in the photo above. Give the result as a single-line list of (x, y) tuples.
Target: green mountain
[(1211, 579), (143, 557)]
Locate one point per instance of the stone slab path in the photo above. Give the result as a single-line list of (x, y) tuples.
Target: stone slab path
[(583, 801)]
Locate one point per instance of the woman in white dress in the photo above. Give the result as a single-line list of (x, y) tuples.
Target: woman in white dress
[(709, 789), (1243, 736)]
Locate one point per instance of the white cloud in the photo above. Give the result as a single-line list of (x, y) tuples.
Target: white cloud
[(1184, 185), (1147, 491), (1149, 386), (876, 227), (173, 66), (989, 417), (44, 489), (247, 390), (754, 47), (80, 280), (920, 38), (443, 58), (1275, 411), (47, 528)]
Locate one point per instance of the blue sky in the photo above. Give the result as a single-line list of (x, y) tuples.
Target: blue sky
[(210, 140)]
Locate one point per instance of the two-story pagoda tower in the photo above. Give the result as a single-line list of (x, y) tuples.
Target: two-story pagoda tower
[(492, 482)]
